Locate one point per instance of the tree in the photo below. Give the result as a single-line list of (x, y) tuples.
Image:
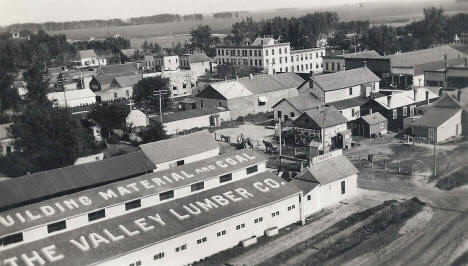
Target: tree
[(202, 39), (45, 138), (154, 132), (145, 91), (382, 39), (110, 116), (9, 98), (36, 84)]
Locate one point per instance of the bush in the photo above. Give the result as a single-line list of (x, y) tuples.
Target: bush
[(457, 179), (240, 119)]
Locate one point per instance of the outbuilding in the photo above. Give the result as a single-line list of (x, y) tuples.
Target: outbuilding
[(136, 119), (370, 125)]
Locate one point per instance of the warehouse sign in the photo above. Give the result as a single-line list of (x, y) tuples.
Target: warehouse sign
[(109, 233), (327, 156), (166, 179)]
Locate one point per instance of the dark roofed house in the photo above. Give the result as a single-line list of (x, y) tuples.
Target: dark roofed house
[(293, 107), (442, 120), (118, 70), (370, 125), (128, 55), (331, 121), (58, 182), (121, 87), (181, 150), (254, 94)]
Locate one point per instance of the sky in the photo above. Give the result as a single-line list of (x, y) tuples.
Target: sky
[(23, 11)]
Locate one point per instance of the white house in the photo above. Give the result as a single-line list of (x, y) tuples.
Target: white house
[(72, 98), (136, 118), (7, 143), (89, 58), (120, 88)]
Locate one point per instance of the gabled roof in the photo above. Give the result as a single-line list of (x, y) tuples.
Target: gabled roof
[(126, 81), (4, 134), (423, 56), (268, 83), (374, 118), (104, 53), (404, 98), (437, 65), (345, 79), (122, 69), (332, 117), (57, 182), (302, 102), (71, 95), (179, 147), (363, 54), (87, 53), (225, 89), (198, 57), (104, 80), (436, 116), (128, 52), (348, 103), (263, 41), (328, 171)]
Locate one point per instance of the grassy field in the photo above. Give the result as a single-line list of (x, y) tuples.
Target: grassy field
[(166, 33)]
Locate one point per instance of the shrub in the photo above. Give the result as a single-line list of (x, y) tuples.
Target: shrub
[(458, 178)]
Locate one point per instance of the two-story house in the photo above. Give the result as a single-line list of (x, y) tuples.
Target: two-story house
[(346, 90)]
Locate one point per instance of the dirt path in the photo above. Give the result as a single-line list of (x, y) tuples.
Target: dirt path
[(365, 200)]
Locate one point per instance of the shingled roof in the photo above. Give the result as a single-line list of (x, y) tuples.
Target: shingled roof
[(58, 182), (328, 171), (345, 79), (424, 56), (332, 117), (302, 102)]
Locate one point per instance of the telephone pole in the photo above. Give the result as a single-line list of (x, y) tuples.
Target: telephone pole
[(160, 93), (435, 152)]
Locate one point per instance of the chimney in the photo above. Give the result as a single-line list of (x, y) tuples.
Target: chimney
[(459, 93), (415, 91), (250, 76), (389, 100), (427, 97), (370, 111), (445, 57)]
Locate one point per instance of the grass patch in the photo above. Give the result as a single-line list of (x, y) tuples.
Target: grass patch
[(341, 225), (395, 213), (456, 179)]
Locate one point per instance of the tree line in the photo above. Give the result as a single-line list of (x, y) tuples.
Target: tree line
[(100, 23)]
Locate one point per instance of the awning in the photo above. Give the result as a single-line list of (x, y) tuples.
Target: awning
[(263, 99)]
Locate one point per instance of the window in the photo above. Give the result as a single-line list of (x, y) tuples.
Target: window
[(411, 110), (309, 197), (281, 60), (405, 111), (56, 226), (96, 215), (115, 95), (184, 86), (333, 66), (395, 114), (286, 118), (352, 112), (225, 178), (292, 114), (183, 247), (258, 220), (252, 169), (275, 214), (250, 52), (279, 50), (351, 91), (255, 53), (381, 125), (326, 65), (180, 162), (127, 93), (251, 62), (260, 53), (343, 187), (222, 233), (201, 240), (273, 61), (174, 88), (286, 59), (11, 239), (338, 66), (292, 58), (158, 256), (285, 50), (266, 52), (431, 134), (166, 195), (272, 51), (292, 207), (240, 226), (132, 204), (286, 69), (197, 186)]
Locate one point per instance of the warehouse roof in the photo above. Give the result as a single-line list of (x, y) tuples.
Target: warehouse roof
[(172, 227), (179, 147), (436, 116), (329, 171), (363, 54), (252, 85), (126, 81), (176, 116), (437, 65), (424, 56), (302, 102), (374, 118), (71, 95), (57, 182), (218, 165), (345, 79)]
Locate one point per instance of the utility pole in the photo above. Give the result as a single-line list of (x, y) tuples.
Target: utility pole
[(160, 93), (324, 112), (435, 152), (280, 133)]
